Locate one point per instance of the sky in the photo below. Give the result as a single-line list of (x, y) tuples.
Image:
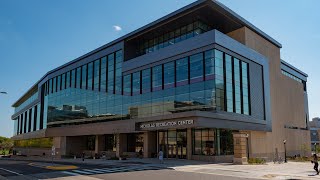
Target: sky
[(37, 36)]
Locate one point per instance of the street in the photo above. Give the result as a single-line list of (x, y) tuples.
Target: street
[(10, 169)]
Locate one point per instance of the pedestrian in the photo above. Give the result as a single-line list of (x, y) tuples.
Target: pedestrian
[(316, 164), (83, 154), (160, 156), (140, 153)]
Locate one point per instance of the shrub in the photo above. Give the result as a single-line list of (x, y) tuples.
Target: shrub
[(256, 161)]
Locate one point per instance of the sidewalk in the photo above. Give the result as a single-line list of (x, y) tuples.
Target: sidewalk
[(290, 170)]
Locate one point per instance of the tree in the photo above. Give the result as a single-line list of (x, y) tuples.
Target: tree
[(6, 144)]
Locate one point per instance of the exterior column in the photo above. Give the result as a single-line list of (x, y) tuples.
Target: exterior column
[(240, 148), (99, 143), (149, 143), (60, 144), (121, 144), (189, 143)]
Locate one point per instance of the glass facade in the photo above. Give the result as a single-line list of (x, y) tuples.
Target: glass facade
[(173, 37), (97, 91)]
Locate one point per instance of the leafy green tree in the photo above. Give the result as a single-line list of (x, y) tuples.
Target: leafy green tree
[(6, 144)]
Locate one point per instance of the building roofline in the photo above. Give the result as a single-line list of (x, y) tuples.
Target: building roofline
[(225, 10), (294, 68)]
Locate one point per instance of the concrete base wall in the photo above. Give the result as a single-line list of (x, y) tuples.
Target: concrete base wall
[(33, 151), (214, 159)]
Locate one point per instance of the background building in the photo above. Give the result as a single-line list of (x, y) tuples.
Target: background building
[(200, 83), (314, 132)]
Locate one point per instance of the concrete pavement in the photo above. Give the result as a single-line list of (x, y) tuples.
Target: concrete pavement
[(290, 170)]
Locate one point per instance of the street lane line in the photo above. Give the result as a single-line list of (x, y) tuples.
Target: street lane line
[(11, 171), (71, 173), (82, 172), (93, 171)]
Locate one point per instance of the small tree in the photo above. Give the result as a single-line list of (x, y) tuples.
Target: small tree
[(304, 149), (5, 144)]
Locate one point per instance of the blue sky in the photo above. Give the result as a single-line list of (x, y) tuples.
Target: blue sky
[(39, 35)]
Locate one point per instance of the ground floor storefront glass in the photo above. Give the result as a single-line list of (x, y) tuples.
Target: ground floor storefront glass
[(173, 143), (205, 142), (212, 142)]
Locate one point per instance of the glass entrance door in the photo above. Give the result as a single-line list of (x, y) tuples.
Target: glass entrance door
[(173, 143)]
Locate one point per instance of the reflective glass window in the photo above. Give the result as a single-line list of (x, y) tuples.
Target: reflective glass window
[(209, 64), (169, 75), (58, 83), (229, 83), (90, 76), (245, 88), (111, 77), (96, 75), (103, 74), (73, 78), (63, 81), (196, 68), (68, 79), (84, 77), (127, 85), (182, 71), (237, 86), (79, 78), (157, 78), (146, 80), (219, 72), (136, 83)]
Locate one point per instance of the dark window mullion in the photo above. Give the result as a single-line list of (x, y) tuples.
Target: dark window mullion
[(107, 72), (224, 82), (188, 61), (140, 82), (175, 73), (114, 73)]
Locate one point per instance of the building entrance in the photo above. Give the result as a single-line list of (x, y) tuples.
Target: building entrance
[(173, 143)]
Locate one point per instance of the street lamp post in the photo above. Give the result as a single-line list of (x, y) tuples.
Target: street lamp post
[(285, 151), (247, 137)]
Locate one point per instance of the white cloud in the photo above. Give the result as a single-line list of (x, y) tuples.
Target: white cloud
[(117, 28)]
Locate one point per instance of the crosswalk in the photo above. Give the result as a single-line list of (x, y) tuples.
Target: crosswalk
[(77, 172)]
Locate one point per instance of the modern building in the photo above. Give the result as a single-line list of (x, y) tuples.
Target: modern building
[(200, 83), (314, 132)]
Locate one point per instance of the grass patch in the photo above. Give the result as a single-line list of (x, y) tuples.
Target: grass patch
[(256, 161)]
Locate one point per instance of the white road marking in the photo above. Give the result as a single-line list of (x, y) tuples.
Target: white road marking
[(70, 173), (11, 171), (82, 172), (93, 170)]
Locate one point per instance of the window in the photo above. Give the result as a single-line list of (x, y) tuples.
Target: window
[(245, 88), (196, 68), (219, 72), (79, 78), (237, 85), (73, 78), (118, 69), (204, 142), (90, 76), (229, 83), (136, 83), (111, 68), (68, 84), (169, 75), (63, 81), (84, 77), (146, 80), (96, 75), (58, 83), (182, 71), (157, 78), (127, 85), (209, 64), (103, 74)]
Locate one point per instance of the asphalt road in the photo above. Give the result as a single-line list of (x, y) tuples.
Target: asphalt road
[(23, 170)]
